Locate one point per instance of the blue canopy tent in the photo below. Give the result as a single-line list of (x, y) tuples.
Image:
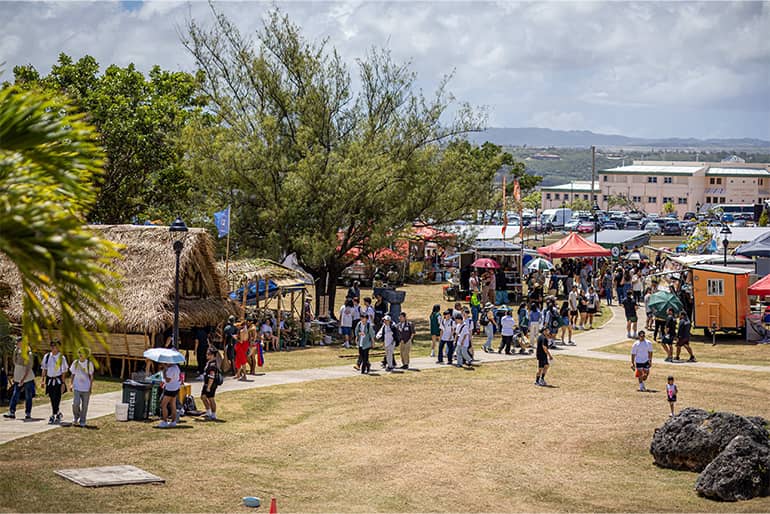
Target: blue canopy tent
[(759, 247), (251, 293)]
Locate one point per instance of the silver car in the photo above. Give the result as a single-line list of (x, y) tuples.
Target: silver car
[(653, 228)]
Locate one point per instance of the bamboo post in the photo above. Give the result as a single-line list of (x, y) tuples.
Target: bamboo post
[(301, 317), (280, 317)]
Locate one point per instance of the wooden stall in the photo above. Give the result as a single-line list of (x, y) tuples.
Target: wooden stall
[(720, 295), (145, 293)]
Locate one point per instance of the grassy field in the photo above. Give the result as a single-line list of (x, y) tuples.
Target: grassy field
[(735, 352), (440, 440)]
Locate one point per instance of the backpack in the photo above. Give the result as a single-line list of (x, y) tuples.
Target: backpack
[(396, 334), (189, 403), (219, 378), (484, 321)]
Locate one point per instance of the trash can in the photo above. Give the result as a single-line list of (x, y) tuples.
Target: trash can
[(137, 396)]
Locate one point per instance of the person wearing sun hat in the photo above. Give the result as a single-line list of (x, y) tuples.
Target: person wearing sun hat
[(489, 324)]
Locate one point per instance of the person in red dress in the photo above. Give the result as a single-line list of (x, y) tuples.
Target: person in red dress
[(242, 352)]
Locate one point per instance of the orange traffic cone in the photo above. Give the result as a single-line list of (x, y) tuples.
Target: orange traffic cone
[(273, 507)]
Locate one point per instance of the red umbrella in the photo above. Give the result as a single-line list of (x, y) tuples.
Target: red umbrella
[(485, 263)]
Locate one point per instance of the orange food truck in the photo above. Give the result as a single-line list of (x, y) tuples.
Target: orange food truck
[(720, 298)]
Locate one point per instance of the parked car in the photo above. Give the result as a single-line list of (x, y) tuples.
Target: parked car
[(689, 215), (653, 228), (571, 225), (357, 271), (633, 225), (620, 221), (672, 228), (727, 218), (739, 223), (585, 227), (610, 225)]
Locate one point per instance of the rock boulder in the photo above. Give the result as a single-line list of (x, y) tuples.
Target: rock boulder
[(740, 472), (693, 438)]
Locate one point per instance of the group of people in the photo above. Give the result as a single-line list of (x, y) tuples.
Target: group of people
[(672, 332)]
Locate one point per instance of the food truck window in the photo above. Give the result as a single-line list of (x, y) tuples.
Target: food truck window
[(716, 287)]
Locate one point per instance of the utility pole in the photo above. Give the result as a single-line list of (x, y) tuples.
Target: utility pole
[(593, 174)]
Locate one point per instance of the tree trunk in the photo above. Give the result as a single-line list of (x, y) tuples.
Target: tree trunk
[(326, 285)]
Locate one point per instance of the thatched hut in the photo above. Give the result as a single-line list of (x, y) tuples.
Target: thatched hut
[(146, 295)]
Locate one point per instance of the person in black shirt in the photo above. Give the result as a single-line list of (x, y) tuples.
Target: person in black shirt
[(210, 373), (629, 307), (668, 333), (229, 334), (683, 337), (543, 356)]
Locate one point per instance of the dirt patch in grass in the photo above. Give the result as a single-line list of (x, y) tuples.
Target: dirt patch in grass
[(441, 440), (728, 353)]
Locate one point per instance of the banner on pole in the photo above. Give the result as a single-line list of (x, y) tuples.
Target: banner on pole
[(222, 221)]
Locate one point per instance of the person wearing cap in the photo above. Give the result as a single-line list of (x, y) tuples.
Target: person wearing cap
[(54, 366), (543, 355), (489, 324), (462, 341), (387, 335), (364, 337), (447, 338), (507, 325), (23, 378)]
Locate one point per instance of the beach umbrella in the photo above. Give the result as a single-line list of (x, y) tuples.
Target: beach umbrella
[(485, 263), (660, 302), (539, 264), (164, 355)]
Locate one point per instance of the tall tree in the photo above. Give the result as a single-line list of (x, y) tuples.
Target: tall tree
[(48, 162), (313, 167), (139, 120)]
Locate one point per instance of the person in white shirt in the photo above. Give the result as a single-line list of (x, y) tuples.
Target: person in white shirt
[(346, 321), (463, 342), (572, 301), (507, 325), (82, 374), (386, 336), (447, 338), (171, 374), (641, 359), (54, 367)]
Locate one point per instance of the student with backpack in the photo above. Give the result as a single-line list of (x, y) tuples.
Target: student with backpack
[(82, 376), (364, 334), (54, 367), (213, 379)]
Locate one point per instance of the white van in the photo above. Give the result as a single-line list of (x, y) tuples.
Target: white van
[(556, 218)]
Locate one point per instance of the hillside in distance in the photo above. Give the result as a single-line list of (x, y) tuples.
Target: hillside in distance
[(543, 137)]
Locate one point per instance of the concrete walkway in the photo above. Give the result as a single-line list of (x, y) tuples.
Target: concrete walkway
[(587, 343)]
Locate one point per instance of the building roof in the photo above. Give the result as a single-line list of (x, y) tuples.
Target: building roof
[(577, 186), (653, 170), (249, 270), (737, 172), (145, 295), (714, 268)]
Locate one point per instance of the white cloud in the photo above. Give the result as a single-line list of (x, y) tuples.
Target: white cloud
[(563, 63)]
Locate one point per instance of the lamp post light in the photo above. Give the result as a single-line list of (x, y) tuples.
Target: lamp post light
[(178, 231), (725, 243)]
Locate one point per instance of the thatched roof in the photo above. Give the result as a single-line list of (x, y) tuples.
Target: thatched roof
[(247, 270), (146, 298)]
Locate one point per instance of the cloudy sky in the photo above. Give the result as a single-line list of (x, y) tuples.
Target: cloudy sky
[(650, 69)]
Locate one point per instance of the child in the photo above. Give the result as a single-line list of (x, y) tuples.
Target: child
[(671, 391)]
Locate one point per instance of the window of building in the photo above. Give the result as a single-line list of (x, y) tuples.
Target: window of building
[(715, 287), (636, 199), (667, 199), (556, 196), (652, 180), (548, 196), (711, 181), (722, 200), (605, 178), (667, 180), (761, 181), (719, 181), (708, 199), (681, 201), (594, 198), (585, 197), (566, 196), (652, 199)]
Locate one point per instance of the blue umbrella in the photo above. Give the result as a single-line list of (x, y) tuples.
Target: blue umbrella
[(164, 355)]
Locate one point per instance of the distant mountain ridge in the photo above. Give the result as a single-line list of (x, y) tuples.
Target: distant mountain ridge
[(543, 137)]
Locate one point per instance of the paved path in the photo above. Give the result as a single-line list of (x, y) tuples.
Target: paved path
[(587, 343)]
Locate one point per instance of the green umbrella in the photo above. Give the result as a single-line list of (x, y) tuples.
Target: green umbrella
[(661, 301)]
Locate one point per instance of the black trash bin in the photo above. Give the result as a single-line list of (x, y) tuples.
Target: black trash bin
[(137, 396)]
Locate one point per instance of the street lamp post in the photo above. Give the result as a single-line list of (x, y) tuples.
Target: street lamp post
[(595, 208), (725, 243), (178, 231)]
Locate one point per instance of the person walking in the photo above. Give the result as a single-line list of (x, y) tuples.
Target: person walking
[(534, 323), (406, 336), (572, 303), (629, 308), (592, 306), (54, 366), (435, 328), (641, 359), (346, 322), (543, 355), (671, 392), (171, 376), (607, 286), (447, 338), (242, 352), (683, 337), (475, 310), (566, 324), (668, 334), (23, 379), (82, 381), (387, 335), (210, 383), (523, 315), (462, 342), (254, 343), (229, 333), (364, 334), (507, 326), (489, 324)]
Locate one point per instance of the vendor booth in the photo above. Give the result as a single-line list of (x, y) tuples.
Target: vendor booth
[(721, 298), (573, 246)]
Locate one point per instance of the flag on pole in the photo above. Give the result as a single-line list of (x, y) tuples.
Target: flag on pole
[(516, 190), (505, 209), (260, 355), (222, 221)]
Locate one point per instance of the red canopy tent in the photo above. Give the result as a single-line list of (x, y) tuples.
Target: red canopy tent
[(761, 287), (573, 246)]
